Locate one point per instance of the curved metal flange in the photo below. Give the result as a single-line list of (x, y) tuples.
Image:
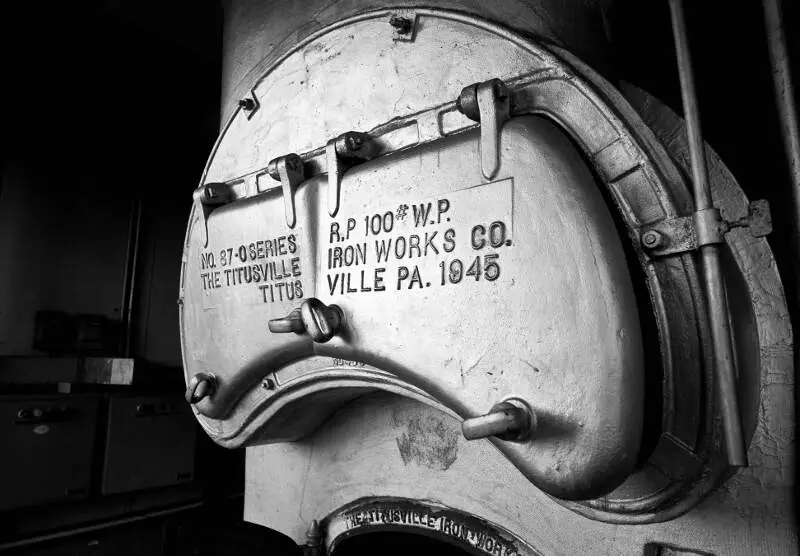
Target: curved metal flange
[(375, 514), (315, 381), (698, 465)]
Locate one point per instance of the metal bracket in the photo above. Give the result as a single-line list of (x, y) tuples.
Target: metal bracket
[(249, 105), (404, 25), (758, 219), (208, 197), (705, 227), (290, 172), (349, 148), (490, 104)]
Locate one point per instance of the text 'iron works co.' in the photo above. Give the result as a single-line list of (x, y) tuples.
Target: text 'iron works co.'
[(416, 246)]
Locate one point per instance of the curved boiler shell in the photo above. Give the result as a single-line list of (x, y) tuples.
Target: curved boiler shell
[(508, 287), (474, 291)]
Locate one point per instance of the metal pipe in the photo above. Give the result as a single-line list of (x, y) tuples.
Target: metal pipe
[(710, 254), (128, 287), (785, 100), (787, 114)]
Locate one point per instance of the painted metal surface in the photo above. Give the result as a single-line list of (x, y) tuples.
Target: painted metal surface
[(639, 177), (421, 260), (356, 443), (387, 446), (217, 307), (258, 33)]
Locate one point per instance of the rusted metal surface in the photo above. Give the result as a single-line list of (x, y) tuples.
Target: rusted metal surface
[(426, 441)]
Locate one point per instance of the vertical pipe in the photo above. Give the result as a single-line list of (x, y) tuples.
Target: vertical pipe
[(134, 227), (787, 113), (710, 254)]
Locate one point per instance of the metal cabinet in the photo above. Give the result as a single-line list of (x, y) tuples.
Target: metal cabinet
[(150, 443), (48, 442)]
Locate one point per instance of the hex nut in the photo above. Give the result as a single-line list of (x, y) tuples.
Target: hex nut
[(652, 239)]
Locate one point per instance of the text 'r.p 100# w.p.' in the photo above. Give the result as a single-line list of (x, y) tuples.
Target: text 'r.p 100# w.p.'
[(443, 276)]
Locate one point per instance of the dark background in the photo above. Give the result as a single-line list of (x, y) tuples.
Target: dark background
[(108, 102)]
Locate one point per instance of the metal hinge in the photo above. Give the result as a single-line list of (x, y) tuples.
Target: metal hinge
[(290, 172), (490, 104), (705, 227), (349, 148), (209, 196), (342, 152)]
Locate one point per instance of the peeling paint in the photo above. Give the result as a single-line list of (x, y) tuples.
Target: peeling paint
[(428, 440)]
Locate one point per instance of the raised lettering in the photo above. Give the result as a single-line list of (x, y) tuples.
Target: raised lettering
[(443, 205), (478, 237), (334, 236), (332, 283), (382, 249), (421, 214)]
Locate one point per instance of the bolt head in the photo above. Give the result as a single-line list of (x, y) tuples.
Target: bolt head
[(652, 239)]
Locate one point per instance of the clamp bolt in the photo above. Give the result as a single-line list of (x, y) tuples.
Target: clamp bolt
[(652, 239), (509, 420), (320, 321), (201, 386)]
